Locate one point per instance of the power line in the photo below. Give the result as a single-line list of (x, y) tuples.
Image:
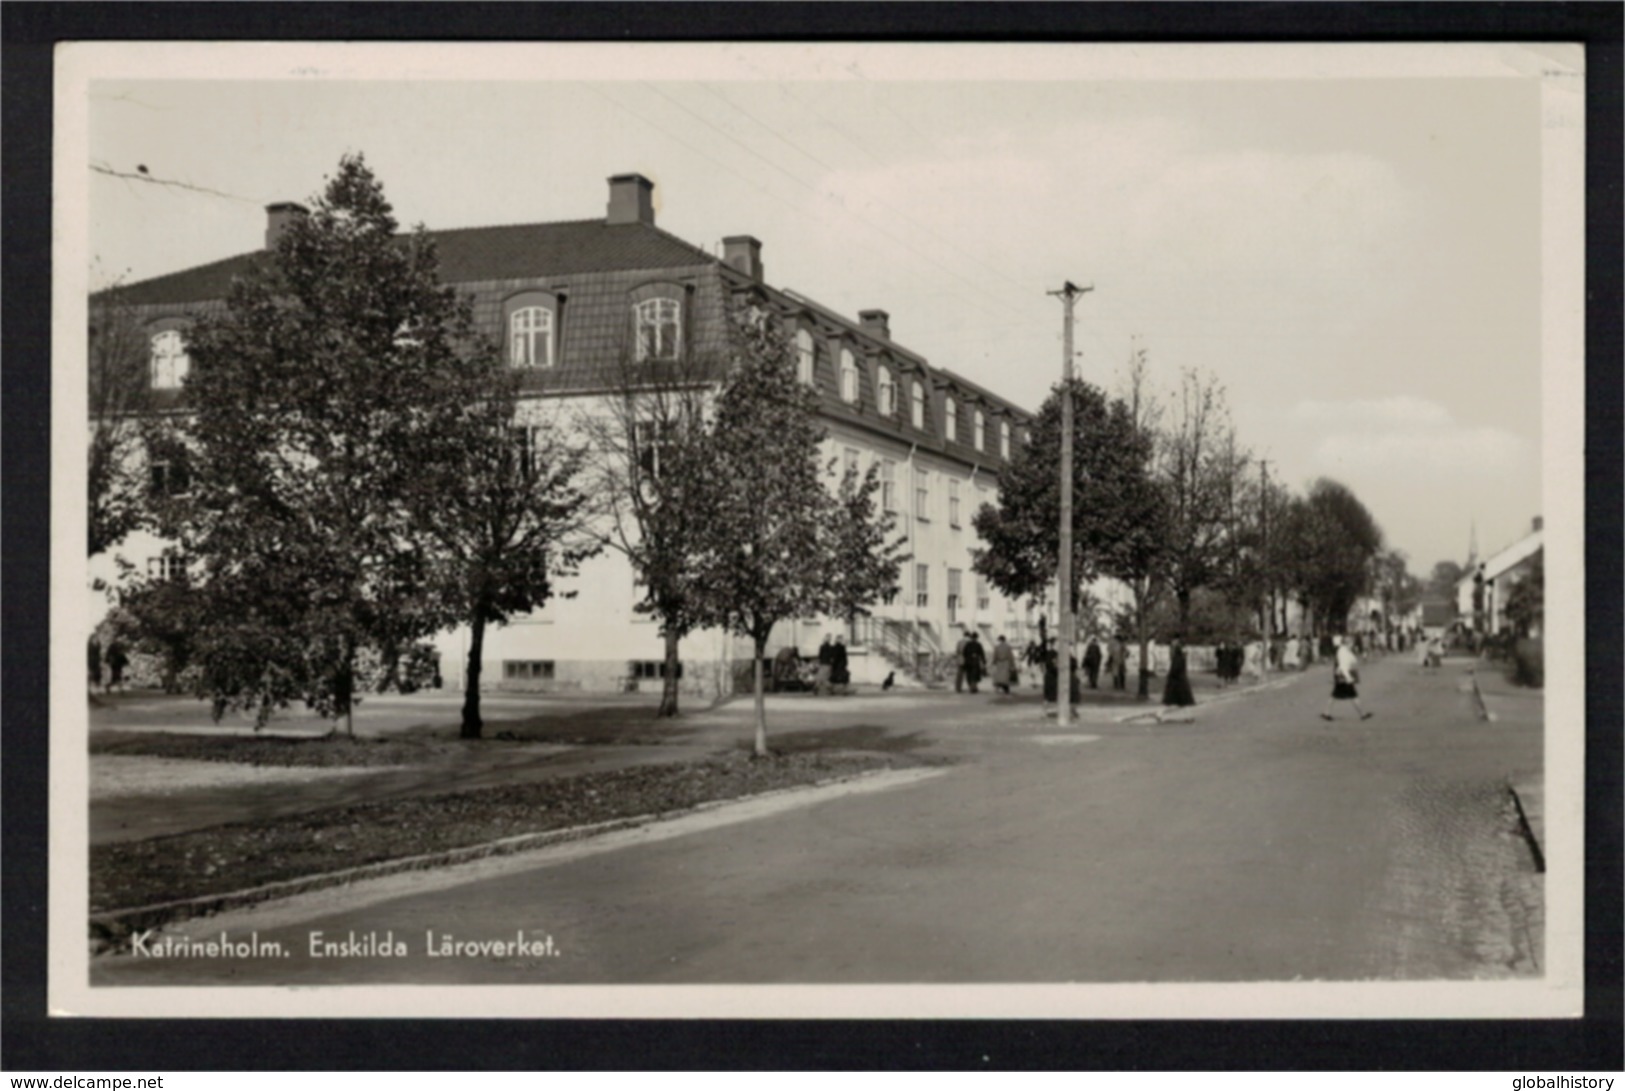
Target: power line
[(925, 228), (819, 193), (143, 175)]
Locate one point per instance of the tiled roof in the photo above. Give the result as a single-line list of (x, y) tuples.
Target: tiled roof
[(476, 254)]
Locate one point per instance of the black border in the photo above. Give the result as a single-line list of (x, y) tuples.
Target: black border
[(31, 1042)]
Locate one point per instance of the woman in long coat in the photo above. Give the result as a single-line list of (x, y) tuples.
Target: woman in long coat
[(975, 662), (1004, 665), (1176, 691), (1091, 663)]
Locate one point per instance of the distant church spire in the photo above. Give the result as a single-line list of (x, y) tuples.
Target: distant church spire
[(1472, 543)]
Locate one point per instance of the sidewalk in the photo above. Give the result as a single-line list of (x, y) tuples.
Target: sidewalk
[(1517, 707)]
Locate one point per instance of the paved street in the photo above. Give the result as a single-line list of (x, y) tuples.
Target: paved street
[(1258, 843)]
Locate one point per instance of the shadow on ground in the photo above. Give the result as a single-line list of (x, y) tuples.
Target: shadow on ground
[(855, 737)]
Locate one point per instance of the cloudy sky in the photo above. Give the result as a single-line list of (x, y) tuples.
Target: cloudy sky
[(1351, 242)]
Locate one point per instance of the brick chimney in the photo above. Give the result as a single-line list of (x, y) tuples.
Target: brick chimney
[(876, 323), (277, 219), (1536, 523), (743, 252), (631, 200)]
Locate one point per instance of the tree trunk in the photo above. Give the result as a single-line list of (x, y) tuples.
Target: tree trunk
[(472, 724), (1184, 596), (1144, 635), (668, 691), (760, 749), (346, 689)]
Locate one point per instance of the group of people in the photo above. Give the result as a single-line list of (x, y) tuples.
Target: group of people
[(832, 666), (1228, 660), (971, 664)]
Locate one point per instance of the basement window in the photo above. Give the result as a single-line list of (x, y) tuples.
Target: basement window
[(527, 670)]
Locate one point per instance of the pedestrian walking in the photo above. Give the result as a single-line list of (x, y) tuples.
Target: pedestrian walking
[(1176, 690), (1119, 662), (1004, 666), (117, 660), (1052, 673), (839, 674), (1091, 663), (1345, 680), (95, 663), (826, 667), (959, 661), (975, 662)]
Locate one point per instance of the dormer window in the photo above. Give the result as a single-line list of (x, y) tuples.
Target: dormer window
[(849, 377), (658, 329), (1004, 439), (170, 363), (888, 393), (979, 431), (530, 337), (805, 356), (917, 411), (950, 420)]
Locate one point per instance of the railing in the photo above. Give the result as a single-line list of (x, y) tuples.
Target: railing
[(908, 647)]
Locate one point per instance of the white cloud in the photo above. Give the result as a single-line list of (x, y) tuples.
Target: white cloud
[(1407, 435), (1401, 411)]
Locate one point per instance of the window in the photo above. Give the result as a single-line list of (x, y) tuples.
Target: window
[(527, 670), (955, 579), (953, 503), (950, 420), (170, 567), (979, 431), (530, 337), (169, 479), (653, 441), (1004, 439), (645, 669), (888, 484), (526, 441), (917, 412), (982, 600), (850, 458), (805, 356), (170, 363), (922, 494), (888, 393), (849, 377), (659, 329), (922, 585)]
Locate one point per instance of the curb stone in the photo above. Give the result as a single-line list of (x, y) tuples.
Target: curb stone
[(107, 927)]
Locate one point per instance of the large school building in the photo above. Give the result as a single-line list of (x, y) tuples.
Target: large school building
[(570, 302)]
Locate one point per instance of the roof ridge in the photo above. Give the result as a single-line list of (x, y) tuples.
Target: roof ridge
[(507, 226)]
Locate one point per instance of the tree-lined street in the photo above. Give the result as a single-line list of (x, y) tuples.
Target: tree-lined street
[(1255, 844)]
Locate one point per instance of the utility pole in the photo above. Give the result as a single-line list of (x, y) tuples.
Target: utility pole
[(1264, 567), (1068, 294)]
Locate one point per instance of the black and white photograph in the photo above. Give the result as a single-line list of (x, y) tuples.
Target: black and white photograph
[(890, 530)]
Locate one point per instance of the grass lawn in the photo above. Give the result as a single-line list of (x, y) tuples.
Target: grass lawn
[(239, 856)]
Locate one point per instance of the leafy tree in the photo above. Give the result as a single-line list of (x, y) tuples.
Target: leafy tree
[(1335, 538), (504, 510), (1117, 509), (120, 397), (652, 476), (317, 404), (1394, 586), (1526, 602), (1443, 579), (774, 535), (864, 560)]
